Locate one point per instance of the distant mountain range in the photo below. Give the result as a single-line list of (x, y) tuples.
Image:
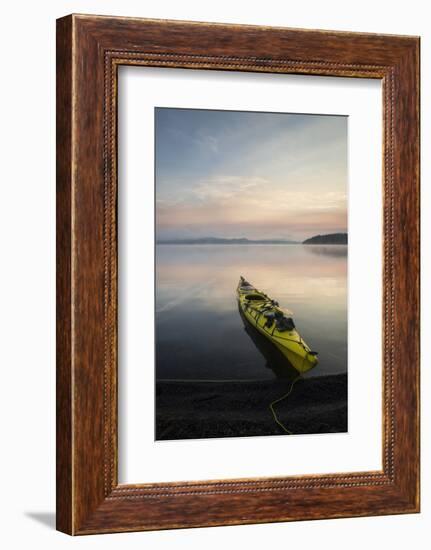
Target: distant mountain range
[(333, 238), (217, 240)]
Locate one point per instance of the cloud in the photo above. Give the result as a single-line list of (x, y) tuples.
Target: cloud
[(224, 188), (250, 174), (254, 207)]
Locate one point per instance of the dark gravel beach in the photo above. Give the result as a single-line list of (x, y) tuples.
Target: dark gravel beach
[(205, 409)]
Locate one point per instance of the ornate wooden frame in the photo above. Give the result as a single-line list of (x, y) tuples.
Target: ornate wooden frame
[(89, 51)]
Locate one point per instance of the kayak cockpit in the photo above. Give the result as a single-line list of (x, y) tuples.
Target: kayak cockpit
[(255, 297)]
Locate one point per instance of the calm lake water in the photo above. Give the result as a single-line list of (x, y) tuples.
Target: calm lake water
[(199, 332)]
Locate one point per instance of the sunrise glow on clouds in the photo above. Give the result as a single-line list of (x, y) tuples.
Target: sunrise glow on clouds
[(254, 175)]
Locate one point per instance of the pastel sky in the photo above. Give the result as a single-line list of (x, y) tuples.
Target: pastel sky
[(246, 174)]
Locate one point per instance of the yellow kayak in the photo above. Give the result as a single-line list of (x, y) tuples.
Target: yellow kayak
[(274, 323)]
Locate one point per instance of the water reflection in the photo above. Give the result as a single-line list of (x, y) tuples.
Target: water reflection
[(334, 250), (198, 332)]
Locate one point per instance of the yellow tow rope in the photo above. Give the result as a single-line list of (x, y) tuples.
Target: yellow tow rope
[(271, 406)]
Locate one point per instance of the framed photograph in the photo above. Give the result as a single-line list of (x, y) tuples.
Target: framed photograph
[(237, 274)]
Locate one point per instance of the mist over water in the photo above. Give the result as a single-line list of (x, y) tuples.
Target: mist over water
[(199, 332)]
